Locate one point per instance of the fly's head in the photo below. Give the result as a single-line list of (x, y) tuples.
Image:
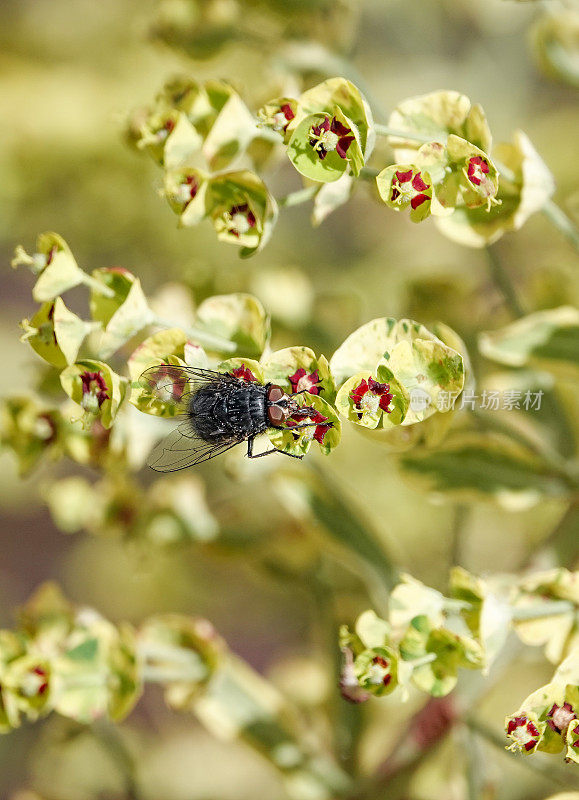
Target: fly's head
[(279, 406)]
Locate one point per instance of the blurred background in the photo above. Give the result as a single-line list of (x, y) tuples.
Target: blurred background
[(71, 73)]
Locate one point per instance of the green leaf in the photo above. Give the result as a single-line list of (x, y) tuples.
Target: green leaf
[(486, 466), (55, 265), (330, 197), (547, 339), (372, 631), (434, 116), (231, 133), (56, 333), (240, 318), (558, 633)]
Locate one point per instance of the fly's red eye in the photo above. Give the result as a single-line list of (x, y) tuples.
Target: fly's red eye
[(275, 394), (275, 415)]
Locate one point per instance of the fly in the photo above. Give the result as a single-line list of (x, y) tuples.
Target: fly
[(219, 410)]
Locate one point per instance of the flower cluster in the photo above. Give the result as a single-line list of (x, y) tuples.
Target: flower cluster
[(74, 662), (67, 660), (547, 720), (424, 642), (368, 380), (445, 164), (428, 636)]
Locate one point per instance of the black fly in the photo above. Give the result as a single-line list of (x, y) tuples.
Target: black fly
[(219, 410)]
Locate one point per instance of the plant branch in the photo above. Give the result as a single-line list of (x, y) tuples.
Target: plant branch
[(206, 339), (561, 221), (503, 282), (385, 130), (297, 197)]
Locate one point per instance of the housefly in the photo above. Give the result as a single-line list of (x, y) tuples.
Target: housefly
[(218, 411)]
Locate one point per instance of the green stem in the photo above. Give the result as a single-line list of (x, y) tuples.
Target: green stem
[(97, 286), (112, 742), (200, 336), (385, 130), (369, 173), (561, 221), (422, 660), (300, 196), (550, 608), (503, 282)]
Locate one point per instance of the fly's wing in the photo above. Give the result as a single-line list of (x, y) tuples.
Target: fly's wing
[(183, 448), (174, 385)]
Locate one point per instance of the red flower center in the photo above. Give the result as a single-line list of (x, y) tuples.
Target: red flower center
[(370, 395), (409, 187), (302, 382), (93, 384), (477, 169), (331, 135), (244, 374)]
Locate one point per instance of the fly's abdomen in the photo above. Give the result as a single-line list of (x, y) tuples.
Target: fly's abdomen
[(223, 412), (246, 410)]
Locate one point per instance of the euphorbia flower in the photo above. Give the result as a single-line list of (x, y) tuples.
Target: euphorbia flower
[(239, 220), (409, 187), (302, 382), (187, 190), (94, 391), (379, 671), (524, 733), (559, 717), (168, 385), (244, 373), (282, 119), (476, 169), (317, 431), (370, 395), (331, 135)]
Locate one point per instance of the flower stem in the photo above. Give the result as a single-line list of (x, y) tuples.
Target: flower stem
[(561, 221), (200, 336), (112, 742), (422, 660), (503, 282), (368, 173), (385, 130), (549, 608), (97, 286), (300, 196)]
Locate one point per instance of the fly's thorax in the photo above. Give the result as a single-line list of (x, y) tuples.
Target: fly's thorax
[(278, 405)]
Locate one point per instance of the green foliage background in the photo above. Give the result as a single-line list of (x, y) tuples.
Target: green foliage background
[(70, 72)]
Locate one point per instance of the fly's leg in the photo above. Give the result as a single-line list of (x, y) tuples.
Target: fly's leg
[(250, 453)]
